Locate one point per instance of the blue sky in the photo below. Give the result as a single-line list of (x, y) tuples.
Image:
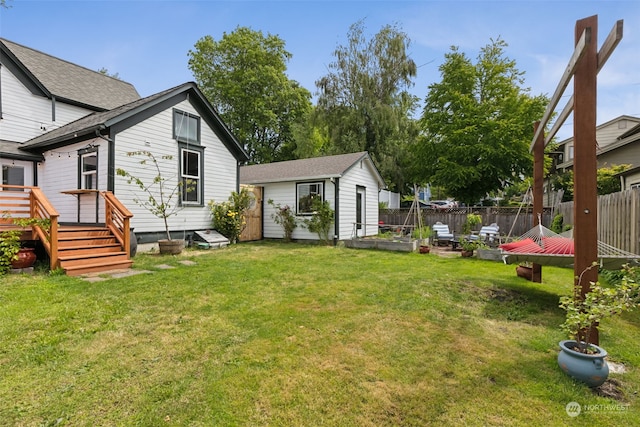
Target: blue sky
[(146, 41)]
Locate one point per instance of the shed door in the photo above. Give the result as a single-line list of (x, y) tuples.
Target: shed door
[(361, 217), (253, 228)]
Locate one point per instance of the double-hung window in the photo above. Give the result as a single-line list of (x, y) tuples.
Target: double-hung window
[(88, 179), (307, 193), (186, 131), (191, 175)]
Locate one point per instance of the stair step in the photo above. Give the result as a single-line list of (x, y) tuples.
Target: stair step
[(97, 267), (74, 251), (85, 241), (86, 259)]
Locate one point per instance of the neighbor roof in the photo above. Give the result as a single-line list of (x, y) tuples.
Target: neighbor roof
[(66, 81), (304, 169)]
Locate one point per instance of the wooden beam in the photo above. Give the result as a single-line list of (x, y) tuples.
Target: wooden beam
[(568, 109), (585, 197), (610, 44), (583, 42), (538, 191)]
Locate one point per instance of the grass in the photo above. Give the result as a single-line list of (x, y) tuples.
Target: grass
[(297, 335)]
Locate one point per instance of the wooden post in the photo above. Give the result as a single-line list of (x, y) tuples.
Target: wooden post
[(585, 221), (538, 193)]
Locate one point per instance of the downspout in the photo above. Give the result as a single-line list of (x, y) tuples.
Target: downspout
[(336, 204)]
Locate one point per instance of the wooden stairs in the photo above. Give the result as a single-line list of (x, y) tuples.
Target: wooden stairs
[(89, 249)]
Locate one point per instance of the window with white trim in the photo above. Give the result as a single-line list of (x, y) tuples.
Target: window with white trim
[(186, 127), (89, 170), (307, 192), (191, 175)]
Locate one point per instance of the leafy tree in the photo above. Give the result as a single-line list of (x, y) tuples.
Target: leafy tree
[(477, 125), (364, 100), (243, 75), (106, 72), (608, 182)]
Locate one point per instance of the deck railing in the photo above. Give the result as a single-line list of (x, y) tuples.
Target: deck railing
[(117, 219), (18, 201), (30, 202)]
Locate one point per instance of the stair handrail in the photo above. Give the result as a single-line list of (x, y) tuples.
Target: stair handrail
[(40, 207), (118, 220)]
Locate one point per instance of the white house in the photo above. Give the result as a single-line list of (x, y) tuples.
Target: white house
[(67, 130), (349, 182)]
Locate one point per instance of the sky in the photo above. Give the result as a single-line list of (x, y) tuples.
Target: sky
[(146, 42)]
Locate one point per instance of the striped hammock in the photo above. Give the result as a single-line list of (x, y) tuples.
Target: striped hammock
[(545, 247)]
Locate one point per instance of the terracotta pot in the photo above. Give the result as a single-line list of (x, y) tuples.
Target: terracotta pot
[(170, 247), (26, 258), (424, 249), (466, 254), (524, 272)]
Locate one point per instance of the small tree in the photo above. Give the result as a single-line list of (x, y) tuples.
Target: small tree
[(321, 220), (229, 217), (284, 217), (160, 192)]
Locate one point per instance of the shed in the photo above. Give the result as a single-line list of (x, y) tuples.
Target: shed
[(349, 182)]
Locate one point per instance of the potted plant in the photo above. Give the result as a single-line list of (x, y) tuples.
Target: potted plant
[(472, 221), (12, 254), (468, 246), (423, 234), (160, 195), (579, 357)]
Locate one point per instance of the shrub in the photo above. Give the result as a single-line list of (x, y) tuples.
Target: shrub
[(284, 217), (229, 218), (321, 220)]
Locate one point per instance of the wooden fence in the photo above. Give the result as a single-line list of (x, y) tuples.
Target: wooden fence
[(512, 221), (618, 219)]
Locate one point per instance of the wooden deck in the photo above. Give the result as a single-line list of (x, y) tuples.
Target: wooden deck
[(75, 249)]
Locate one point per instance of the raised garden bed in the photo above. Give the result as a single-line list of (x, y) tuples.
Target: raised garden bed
[(399, 245)]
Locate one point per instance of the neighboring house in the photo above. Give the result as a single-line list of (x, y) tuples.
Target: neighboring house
[(349, 182), (616, 145), (607, 134), (65, 128)]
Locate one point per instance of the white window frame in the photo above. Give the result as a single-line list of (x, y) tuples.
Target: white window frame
[(184, 177), (303, 189)]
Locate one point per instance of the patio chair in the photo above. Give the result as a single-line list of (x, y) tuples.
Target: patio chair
[(442, 233), (488, 233)]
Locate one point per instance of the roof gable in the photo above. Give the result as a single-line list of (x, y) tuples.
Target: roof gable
[(305, 169), (56, 78), (128, 115)]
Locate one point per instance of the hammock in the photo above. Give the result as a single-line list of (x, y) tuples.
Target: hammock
[(542, 246)]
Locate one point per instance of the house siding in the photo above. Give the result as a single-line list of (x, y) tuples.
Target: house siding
[(156, 135), (59, 172), (359, 175), (25, 115)]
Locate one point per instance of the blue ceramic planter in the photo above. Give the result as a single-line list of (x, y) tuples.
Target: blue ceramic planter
[(591, 369)]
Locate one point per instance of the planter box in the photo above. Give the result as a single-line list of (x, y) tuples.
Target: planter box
[(385, 245), (490, 254)]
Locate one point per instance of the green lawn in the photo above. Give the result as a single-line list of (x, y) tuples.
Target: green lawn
[(297, 335)]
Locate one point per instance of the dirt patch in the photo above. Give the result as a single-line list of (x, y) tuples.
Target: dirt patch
[(611, 388)]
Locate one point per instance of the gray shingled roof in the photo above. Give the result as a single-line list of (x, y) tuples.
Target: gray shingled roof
[(11, 150), (294, 170), (72, 82), (88, 125)]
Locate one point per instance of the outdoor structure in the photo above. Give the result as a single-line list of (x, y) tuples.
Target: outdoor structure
[(67, 130), (583, 68), (350, 182)]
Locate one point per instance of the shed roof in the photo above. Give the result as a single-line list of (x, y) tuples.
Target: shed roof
[(67, 81), (305, 169)]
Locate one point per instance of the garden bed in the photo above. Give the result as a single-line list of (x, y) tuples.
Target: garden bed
[(398, 245)]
